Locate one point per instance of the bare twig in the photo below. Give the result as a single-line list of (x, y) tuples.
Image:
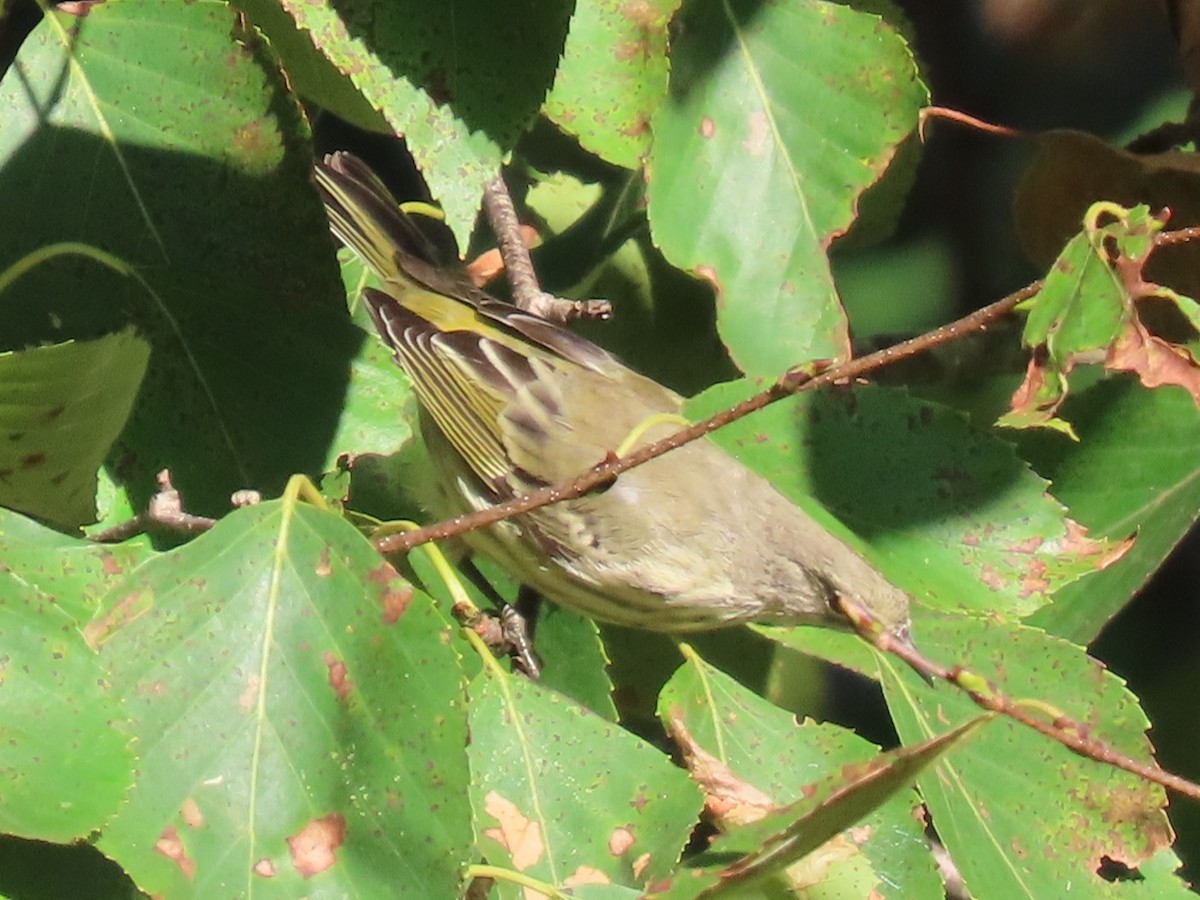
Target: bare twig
[(1063, 729), (165, 510), (527, 294), (1177, 236)]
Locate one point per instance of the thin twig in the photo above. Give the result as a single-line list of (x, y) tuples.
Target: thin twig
[(165, 511), (789, 383), (1064, 730), (1177, 236), (527, 294)]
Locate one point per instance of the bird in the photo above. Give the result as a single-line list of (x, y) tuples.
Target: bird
[(509, 402)]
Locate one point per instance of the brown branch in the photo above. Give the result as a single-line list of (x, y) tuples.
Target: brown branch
[(787, 384), (1063, 730), (165, 510), (1178, 236), (527, 294)]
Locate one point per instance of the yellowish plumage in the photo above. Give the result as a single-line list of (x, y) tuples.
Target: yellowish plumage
[(692, 540)]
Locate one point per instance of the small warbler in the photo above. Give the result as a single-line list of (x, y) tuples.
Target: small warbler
[(510, 402)]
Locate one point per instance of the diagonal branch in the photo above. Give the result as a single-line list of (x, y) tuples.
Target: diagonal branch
[(790, 382)]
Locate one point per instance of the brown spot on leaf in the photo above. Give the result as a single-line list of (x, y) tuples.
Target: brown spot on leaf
[(707, 127), (264, 868), (170, 846), (991, 578), (709, 274), (32, 460), (585, 875), (248, 699), (729, 799), (639, 126), (514, 832), (383, 574), (77, 7), (155, 688), (131, 607), (644, 15), (1106, 553), (249, 139), (395, 601), (191, 814), (639, 865), (1034, 580), (1155, 361), (324, 567), (1137, 809), (620, 841), (1029, 545), (640, 801), (313, 848), (339, 678), (624, 51), (760, 134), (109, 565)]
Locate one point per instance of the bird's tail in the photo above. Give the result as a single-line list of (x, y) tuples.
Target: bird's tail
[(365, 217)]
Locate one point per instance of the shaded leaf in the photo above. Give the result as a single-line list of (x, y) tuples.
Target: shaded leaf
[(1073, 170), (460, 86), (64, 405), (191, 165), (950, 512), (1119, 483), (309, 71)]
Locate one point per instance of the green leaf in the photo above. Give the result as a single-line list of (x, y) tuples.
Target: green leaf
[(1088, 308), (565, 797), (780, 116), (753, 758), (64, 405), (1020, 814), (71, 573), (65, 760), (299, 713), (309, 71), (613, 76), (460, 87), (950, 513), (1133, 471), (191, 165)]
